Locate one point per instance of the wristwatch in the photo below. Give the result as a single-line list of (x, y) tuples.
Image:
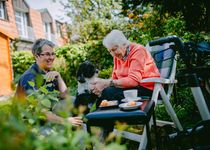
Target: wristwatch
[(111, 83)]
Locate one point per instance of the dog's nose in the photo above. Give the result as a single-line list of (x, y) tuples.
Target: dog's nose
[(81, 78), (87, 91), (96, 71)]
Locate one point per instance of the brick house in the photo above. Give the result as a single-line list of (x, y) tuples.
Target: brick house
[(27, 24), (20, 26)]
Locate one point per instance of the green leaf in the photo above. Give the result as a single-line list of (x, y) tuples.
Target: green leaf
[(31, 83), (46, 103), (56, 91), (53, 98), (31, 121), (44, 90), (32, 100), (40, 96), (61, 139), (49, 85), (42, 117), (39, 81)]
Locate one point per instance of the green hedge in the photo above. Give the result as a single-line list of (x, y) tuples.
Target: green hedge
[(21, 61)]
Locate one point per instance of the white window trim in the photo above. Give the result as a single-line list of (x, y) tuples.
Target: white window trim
[(58, 29), (47, 29), (2, 10), (23, 31)]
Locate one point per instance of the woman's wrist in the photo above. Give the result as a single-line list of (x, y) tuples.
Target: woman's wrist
[(59, 76), (111, 83)]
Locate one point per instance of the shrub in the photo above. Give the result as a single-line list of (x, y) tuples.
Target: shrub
[(21, 61), (20, 134), (75, 54), (105, 73)]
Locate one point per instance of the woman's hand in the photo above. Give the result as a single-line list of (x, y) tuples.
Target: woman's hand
[(99, 85), (75, 121), (51, 75)]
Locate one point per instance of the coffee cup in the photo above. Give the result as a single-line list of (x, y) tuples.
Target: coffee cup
[(130, 95)]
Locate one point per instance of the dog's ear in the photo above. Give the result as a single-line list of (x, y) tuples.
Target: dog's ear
[(90, 69), (80, 75), (81, 78)]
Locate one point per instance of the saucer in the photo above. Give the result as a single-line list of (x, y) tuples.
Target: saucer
[(112, 103), (133, 99), (125, 106)]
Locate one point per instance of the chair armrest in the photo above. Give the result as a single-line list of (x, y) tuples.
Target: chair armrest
[(158, 80)]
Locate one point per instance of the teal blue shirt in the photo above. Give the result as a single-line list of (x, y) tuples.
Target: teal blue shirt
[(36, 75)]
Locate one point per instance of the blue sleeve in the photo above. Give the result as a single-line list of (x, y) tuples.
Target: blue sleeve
[(24, 82)]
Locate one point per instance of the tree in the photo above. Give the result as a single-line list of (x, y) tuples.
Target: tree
[(80, 10), (92, 19), (196, 12)]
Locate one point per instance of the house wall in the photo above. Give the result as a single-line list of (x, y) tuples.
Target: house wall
[(36, 22), (62, 41), (64, 38), (9, 25)]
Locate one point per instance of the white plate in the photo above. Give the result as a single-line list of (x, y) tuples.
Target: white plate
[(125, 106), (110, 104), (134, 99)]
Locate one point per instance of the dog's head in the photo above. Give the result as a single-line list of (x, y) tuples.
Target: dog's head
[(86, 70)]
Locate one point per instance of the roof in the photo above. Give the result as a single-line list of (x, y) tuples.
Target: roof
[(55, 9), (6, 33), (46, 16)]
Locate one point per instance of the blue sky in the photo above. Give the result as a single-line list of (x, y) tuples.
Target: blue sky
[(54, 7)]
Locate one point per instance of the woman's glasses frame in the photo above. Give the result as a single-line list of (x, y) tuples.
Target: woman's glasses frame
[(48, 54)]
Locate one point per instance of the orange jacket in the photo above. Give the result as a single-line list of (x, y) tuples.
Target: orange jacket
[(138, 65)]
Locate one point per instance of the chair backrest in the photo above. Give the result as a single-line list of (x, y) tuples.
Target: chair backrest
[(165, 59)]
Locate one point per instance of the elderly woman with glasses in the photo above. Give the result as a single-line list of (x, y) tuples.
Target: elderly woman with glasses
[(132, 63), (40, 74)]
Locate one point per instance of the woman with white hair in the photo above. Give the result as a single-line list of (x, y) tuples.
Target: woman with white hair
[(132, 63)]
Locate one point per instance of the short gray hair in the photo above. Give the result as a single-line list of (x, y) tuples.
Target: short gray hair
[(115, 37), (38, 44)]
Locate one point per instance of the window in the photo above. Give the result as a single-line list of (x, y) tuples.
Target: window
[(59, 29), (48, 31), (21, 22), (2, 10)]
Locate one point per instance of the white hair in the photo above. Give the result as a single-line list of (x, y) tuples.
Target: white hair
[(115, 38)]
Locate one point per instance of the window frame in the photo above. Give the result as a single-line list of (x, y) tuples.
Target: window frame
[(48, 30), (2, 10), (59, 29), (22, 25)]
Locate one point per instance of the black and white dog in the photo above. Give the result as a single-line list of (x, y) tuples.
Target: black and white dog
[(86, 73)]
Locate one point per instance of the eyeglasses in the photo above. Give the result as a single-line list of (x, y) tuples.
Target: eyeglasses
[(47, 54)]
